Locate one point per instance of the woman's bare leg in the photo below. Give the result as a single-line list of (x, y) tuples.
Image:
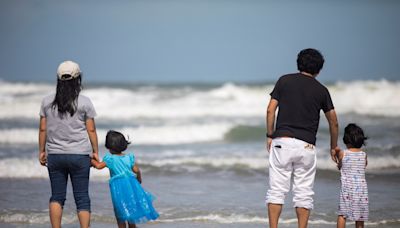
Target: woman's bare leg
[(84, 219), (55, 211)]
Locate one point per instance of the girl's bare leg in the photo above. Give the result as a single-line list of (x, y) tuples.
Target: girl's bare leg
[(359, 224), (132, 225), (121, 224), (341, 222)]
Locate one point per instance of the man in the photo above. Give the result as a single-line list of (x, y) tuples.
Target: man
[(291, 143)]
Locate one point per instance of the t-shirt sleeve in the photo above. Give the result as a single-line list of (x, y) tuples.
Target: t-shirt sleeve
[(275, 94), (327, 104), (108, 160), (132, 157), (42, 111), (44, 106), (89, 108)]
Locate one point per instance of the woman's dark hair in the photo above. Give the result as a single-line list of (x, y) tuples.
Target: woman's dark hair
[(354, 136), (116, 142), (67, 95), (310, 61)]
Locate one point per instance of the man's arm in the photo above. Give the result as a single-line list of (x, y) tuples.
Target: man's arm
[(270, 119), (334, 131)]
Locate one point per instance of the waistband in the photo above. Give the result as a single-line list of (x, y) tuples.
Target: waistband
[(293, 142)]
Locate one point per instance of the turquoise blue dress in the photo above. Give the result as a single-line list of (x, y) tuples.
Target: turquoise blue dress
[(131, 202)]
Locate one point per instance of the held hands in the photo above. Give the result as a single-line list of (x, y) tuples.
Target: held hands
[(95, 156), (43, 158), (335, 154)]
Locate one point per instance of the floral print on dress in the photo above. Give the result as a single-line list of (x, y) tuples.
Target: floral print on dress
[(353, 202)]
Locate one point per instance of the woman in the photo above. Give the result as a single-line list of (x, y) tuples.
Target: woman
[(67, 133)]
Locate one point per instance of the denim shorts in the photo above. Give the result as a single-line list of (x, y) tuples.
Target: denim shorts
[(77, 167)]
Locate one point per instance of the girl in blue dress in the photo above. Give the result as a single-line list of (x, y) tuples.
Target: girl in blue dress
[(132, 204)]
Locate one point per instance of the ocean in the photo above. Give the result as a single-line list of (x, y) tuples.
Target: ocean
[(201, 149)]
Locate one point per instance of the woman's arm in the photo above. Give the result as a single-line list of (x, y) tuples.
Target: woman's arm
[(91, 130), (136, 170), (97, 164), (42, 141)]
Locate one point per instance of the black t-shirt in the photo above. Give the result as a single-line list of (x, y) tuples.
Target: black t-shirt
[(300, 99)]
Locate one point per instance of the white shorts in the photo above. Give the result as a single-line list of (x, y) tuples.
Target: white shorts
[(291, 156)]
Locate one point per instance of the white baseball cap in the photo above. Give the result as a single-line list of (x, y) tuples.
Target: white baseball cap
[(68, 68)]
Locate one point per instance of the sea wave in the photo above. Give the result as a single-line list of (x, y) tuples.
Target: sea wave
[(141, 135), (22, 100), (42, 217), (217, 218), (30, 167)]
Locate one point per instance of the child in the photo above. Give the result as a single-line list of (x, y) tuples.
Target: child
[(353, 203), (131, 202)]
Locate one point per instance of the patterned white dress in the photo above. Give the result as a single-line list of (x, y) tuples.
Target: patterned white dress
[(353, 203)]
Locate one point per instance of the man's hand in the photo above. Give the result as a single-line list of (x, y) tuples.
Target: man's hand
[(42, 158), (335, 154), (269, 141)]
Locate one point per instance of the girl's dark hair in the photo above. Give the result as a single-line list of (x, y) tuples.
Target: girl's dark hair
[(67, 95), (310, 60), (116, 142), (354, 136)]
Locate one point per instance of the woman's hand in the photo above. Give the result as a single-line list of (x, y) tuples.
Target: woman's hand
[(43, 158)]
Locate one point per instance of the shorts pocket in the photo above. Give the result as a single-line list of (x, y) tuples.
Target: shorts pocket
[(309, 157)]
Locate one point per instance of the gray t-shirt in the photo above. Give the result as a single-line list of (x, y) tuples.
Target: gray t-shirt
[(67, 134)]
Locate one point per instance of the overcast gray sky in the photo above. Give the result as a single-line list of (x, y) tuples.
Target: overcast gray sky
[(198, 41)]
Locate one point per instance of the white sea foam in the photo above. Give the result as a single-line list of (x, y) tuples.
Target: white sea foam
[(258, 162), (20, 100), (30, 167), (217, 218), (42, 217), (142, 135), (367, 97)]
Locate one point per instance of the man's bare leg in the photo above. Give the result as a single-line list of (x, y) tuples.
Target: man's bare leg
[(302, 216), (274, 211)]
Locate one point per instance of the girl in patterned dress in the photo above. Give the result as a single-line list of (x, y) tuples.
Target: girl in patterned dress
[(132, 204), (353, 200)]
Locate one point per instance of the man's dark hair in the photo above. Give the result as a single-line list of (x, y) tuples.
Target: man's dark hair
[(310, 61), (67, 95), (116, 142), (354, 136)]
